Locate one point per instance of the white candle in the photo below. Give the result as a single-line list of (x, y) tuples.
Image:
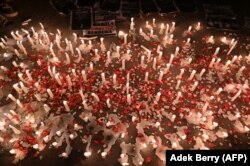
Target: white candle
[(12, 97), (157, 98), (75, 37), (81, 94), (96, 52), (25, 89), (241, 69), (114, 79), (128, 99), (146, 76), (177, 49), (234, 59), (28, 75), (128, 76), (227, 64), (189, 60), (125, 38), (212, 63), (218, 91), (69, 81), (217, 62), (95, 97), (160, 55), (167, 29), (118, 49), (236, 95), (202, 72), (4, 68), (132, 24), (38, 97), (58, 79), (154, 64), (140, 31), (19, 103), (149, 55), (189, 28), (123, 64), (217, 51), (103, 78), (91, 66), (198, 27), (108, 103), (194, 86), (154, 22), (18, 54), (84, 76), (168, 67), (178, 84), (101, 40), (188, 41), (192, 75), (18, 90), (151, 32), (181, 73), (171, 59), (74, 72), (65, 103), (46, 107), (142, 60), (108, 56), (160, 76), (50, 93), (232, 47), (127, 88)]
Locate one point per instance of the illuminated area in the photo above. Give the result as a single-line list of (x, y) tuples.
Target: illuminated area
[(157, 85)]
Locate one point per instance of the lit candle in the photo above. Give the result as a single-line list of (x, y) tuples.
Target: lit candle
[(189, 60), (132, 24), (65, 103), (236, 95), (232, 47), (181, 73), (160, 55), (129, 99), (168, 67), (151, 32), (217, 51), (241, 69), (198, 27), (211, 39), (67, 58), (177, 49), (154, 22), (11, 97), (19, 103), (212, 63), (125, 38), (103, 78), (127, 88), (50, 93), (142, 60), (160, 76), (178, 84), (188, 41), (81, 94), (202, 72), (128, 76), (28, 75), (146, 76), (172, 27), (194, 86), (101, 40), (189, 29), (171, 59), (91, 66), (84, 76), (38, 97), (18, 54), (227, 64), (58, 79), (4, 68), (218, 91), (167, 29), (157, 98), (74, 72), (192, 75), (46, 107), (114, 79), (25, 89), (149, 55), (123, 64), (18, 90), (217, 62), (69, 81), (108, 103), (154, 64), (95, 97)]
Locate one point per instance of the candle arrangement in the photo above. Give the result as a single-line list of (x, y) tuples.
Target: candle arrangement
[(64, 89)]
